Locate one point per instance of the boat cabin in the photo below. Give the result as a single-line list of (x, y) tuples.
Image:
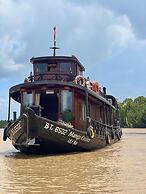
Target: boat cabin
[(56, 68), (51, 92)]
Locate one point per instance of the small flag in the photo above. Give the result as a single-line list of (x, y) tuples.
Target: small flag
[(54, 33)]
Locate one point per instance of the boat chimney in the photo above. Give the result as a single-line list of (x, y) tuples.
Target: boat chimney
[(104, 90), (14, 116), (54, 47)]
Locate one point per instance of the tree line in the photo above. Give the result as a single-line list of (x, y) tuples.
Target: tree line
[(3, 123), (132, 112)]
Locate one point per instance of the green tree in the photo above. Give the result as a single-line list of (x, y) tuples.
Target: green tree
[(137, 115), (133, 112), (124, 109), (3, 124)]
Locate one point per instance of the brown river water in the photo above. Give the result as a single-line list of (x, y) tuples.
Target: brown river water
[(119, 168)]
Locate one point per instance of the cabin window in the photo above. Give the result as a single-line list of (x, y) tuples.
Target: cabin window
[(108, 115), (79, 72), (81, 110), (40, 68), (52, 67), (101, 114), (92, 110), (66, 67), (27, 99), (80, 113), (66, 105), (37, 99), (97, 112)]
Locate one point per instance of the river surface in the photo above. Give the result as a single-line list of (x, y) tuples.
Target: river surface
[(119, 168)]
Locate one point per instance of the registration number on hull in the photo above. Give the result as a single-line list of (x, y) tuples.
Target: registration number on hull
[(73, 138), (57, 129), (16, 128)]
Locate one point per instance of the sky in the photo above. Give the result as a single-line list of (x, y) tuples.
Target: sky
[(107, 36)]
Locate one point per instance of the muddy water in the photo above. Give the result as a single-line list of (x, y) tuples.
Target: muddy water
[(119, 168)]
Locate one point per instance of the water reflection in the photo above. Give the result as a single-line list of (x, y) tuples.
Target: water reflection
[(119, 168)]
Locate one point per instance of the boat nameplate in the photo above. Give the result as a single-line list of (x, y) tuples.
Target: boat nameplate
[(73, 137)]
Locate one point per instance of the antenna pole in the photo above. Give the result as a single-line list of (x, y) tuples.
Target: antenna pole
[(54, 40), (54, 47)]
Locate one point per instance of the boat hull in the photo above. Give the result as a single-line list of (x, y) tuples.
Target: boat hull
[(34, 134)]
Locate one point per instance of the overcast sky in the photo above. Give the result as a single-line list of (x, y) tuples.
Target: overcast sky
[(107, 36)]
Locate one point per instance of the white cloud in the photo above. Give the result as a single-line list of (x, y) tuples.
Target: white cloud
[(10, 49), (120, 31), (89, 30)]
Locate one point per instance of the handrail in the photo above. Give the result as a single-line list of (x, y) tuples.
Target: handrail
[(54, 76), (103, 124)]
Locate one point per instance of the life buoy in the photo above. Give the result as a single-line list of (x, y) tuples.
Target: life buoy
[(95, 86), (26, 80), (89, 85), (80, 80), (90, 132)]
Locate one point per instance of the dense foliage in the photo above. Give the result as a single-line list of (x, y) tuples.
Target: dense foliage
[(3, 124), (133, 112)]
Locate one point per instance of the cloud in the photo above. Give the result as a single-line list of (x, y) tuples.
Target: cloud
[(89, 30), (11, 49), (128, 7), (97, 32), (120, 31)]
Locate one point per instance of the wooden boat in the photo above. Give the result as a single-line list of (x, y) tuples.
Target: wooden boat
[(61, 111)]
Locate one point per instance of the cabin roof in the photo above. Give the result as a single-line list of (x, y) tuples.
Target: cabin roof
[(15, 90), (72, 58)]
